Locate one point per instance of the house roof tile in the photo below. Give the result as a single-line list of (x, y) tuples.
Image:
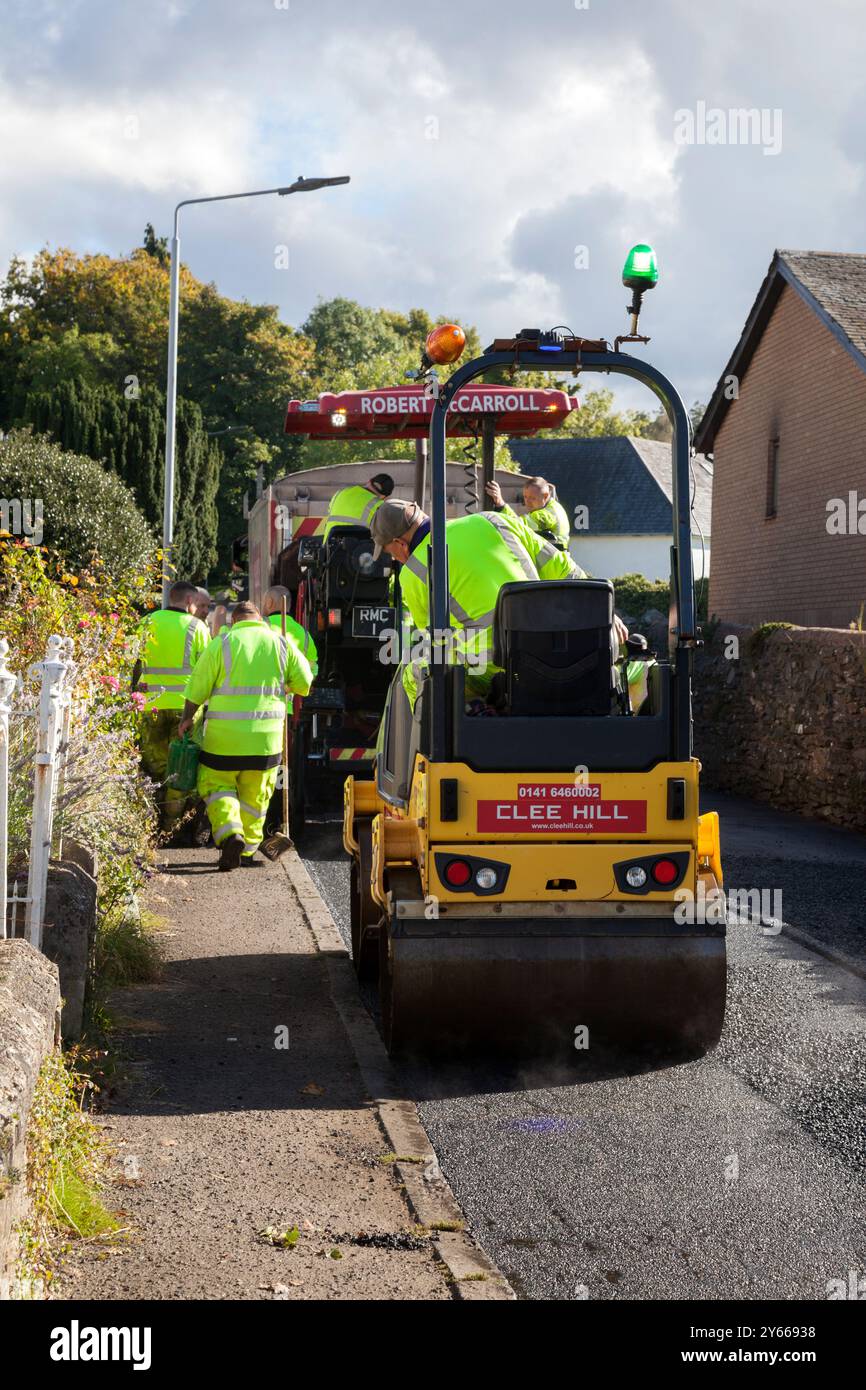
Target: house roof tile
[(625, 482)]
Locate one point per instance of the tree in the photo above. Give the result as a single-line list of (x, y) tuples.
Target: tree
[(658, 427), (696, 415), (90, 358), (100, 323), (597, 417), (126, 297), (347, 335), (360, 349), (129, 437), (103, 322), (242, 366), (197, 476), (156, 246)]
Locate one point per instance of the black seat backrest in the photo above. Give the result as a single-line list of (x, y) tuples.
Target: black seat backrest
[(555, 642)]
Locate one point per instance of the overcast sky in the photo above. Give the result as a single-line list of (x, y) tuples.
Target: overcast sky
[(488, 142)]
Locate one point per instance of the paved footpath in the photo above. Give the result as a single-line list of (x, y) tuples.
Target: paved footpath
[(220, 1133)]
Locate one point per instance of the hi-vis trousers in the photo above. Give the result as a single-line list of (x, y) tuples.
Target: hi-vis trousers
[(237, 803), (158, 727)]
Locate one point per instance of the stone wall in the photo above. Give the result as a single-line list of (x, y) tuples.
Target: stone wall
[(29, 1029), (69, 928), (784, 721)]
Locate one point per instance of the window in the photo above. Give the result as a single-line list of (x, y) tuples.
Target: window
[(772, 477)]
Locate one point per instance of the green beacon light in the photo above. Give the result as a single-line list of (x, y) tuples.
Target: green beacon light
[(640, 273)]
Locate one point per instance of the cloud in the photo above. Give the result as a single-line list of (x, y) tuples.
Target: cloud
[(485, 143)]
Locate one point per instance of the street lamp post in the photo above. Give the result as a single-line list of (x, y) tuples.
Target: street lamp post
[(300, 185)]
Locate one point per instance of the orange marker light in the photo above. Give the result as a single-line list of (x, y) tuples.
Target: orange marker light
[(445, 344)]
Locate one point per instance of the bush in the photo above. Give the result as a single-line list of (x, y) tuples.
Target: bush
[(87, 512), (102, 803), (635, 594), (103, 800)]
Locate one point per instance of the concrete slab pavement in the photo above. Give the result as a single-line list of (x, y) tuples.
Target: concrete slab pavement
[(245, 1109)]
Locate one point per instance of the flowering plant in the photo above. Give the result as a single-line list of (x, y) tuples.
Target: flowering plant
[(102, 799)]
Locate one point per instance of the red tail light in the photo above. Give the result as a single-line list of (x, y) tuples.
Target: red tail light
[(665, 871), (335, 617), (457, 873)]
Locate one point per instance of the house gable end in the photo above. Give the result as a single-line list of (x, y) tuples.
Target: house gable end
[(824, 271)]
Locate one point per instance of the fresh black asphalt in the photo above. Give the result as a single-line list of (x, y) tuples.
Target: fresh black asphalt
[(738, 1176)]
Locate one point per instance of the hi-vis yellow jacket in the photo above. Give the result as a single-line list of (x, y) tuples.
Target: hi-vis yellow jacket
[(171, 643), (551, 520), (243, 677), (485, 551), (351, 506), (302, 638)]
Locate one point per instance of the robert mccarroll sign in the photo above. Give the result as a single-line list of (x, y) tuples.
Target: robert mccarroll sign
[(404, 412), (466, 403)]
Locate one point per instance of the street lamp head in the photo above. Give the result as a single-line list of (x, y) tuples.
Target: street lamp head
[(302, 185)]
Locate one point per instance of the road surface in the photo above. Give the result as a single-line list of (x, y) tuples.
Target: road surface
[(738, 1176)]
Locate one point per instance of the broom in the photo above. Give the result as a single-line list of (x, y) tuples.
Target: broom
[(278, 843)]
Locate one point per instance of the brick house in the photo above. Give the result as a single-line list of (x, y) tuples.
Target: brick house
[(786, 426)]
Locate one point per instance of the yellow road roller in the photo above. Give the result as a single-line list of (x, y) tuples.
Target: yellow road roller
[(539, 878)]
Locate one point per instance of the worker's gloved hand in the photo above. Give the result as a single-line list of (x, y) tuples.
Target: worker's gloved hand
[(494, 492), (620, 629)]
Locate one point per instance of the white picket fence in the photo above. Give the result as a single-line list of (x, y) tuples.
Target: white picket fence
[(53, 714)]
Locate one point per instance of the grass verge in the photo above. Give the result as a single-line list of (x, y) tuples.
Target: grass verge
[(66, 1164)]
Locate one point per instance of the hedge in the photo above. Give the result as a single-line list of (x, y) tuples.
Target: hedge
[(635, 594), (86, 510)]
